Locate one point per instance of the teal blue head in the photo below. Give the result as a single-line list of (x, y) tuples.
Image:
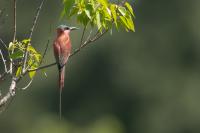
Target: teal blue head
[(65, 27)]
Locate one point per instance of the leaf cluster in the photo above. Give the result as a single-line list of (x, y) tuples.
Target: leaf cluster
[(100, 13), (17, 51)]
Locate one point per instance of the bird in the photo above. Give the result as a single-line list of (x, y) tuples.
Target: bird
[(62, 49)]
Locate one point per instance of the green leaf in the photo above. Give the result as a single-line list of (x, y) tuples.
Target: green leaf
[(98, 20), (130, 22), (113, 11), (122, 10), (92, 3), (37, 57), (16, 55), (19, 71), (62, 14), (32, 74), (114, 14), (31, 49), (26, 41), (67, 6), (87, 12), (83, 19), (11, 46), (123, 21), (103, 2), (107, 14), (74, 11), (129, 8)]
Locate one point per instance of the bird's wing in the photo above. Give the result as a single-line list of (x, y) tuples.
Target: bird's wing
[(65, 48), (57, 52), (63, 59)]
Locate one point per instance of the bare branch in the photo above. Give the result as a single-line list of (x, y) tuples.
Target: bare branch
[(14, 32), (15, 20), (2, 42), (4, 61), (5, 99), (83, 35), (36, 18), (45, 51), (31, 33), (42, 67), (10, 94), (96, 37), (27, 85)]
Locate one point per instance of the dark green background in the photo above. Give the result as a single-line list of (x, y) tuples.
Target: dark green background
[(142, 82)]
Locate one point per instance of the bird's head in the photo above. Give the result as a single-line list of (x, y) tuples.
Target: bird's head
[(65, 28)]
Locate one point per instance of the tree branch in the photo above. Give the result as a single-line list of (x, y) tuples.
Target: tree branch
[(11, 93), (83, 35), (15, 20), (24, 88), (14, 32), (36, 18), (4, 61), (31, 33), (2, 42)]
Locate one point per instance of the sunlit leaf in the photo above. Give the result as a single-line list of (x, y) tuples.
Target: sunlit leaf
[(31, 49), (26, 41), (11, 46), (19, 71), (17, 54), (103, 2), (123, 21), (130, 22), (32, 74), (98, 19), (73, 11), (67, 6), (129, 8), (37, 57), (114, 14), (87, 12), (107, 14), (122, 10)]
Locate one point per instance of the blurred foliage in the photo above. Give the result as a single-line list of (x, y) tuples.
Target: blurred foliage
[(100, 13)]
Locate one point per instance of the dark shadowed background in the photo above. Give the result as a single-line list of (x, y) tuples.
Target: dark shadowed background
[(142, 82)]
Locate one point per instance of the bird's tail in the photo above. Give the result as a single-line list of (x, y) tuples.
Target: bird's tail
[(61, 77)]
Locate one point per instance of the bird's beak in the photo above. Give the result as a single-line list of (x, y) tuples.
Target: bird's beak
[(74, 28)]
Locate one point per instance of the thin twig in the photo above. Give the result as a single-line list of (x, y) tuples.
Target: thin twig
[(24, 88), (15, 20), (45, 51), (96, 37), (83, 35), (31, 33), (36, 18), (14, 32), (4, 61), (2, 42)]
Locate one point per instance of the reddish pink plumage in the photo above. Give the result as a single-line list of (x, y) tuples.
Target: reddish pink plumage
[(62, 49)]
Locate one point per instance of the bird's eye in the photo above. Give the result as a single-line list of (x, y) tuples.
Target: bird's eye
[(67, 28)]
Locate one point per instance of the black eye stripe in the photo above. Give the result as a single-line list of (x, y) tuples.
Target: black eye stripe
[(67, 28)]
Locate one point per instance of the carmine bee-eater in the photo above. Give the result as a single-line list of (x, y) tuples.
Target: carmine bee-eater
[(62, 49)]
